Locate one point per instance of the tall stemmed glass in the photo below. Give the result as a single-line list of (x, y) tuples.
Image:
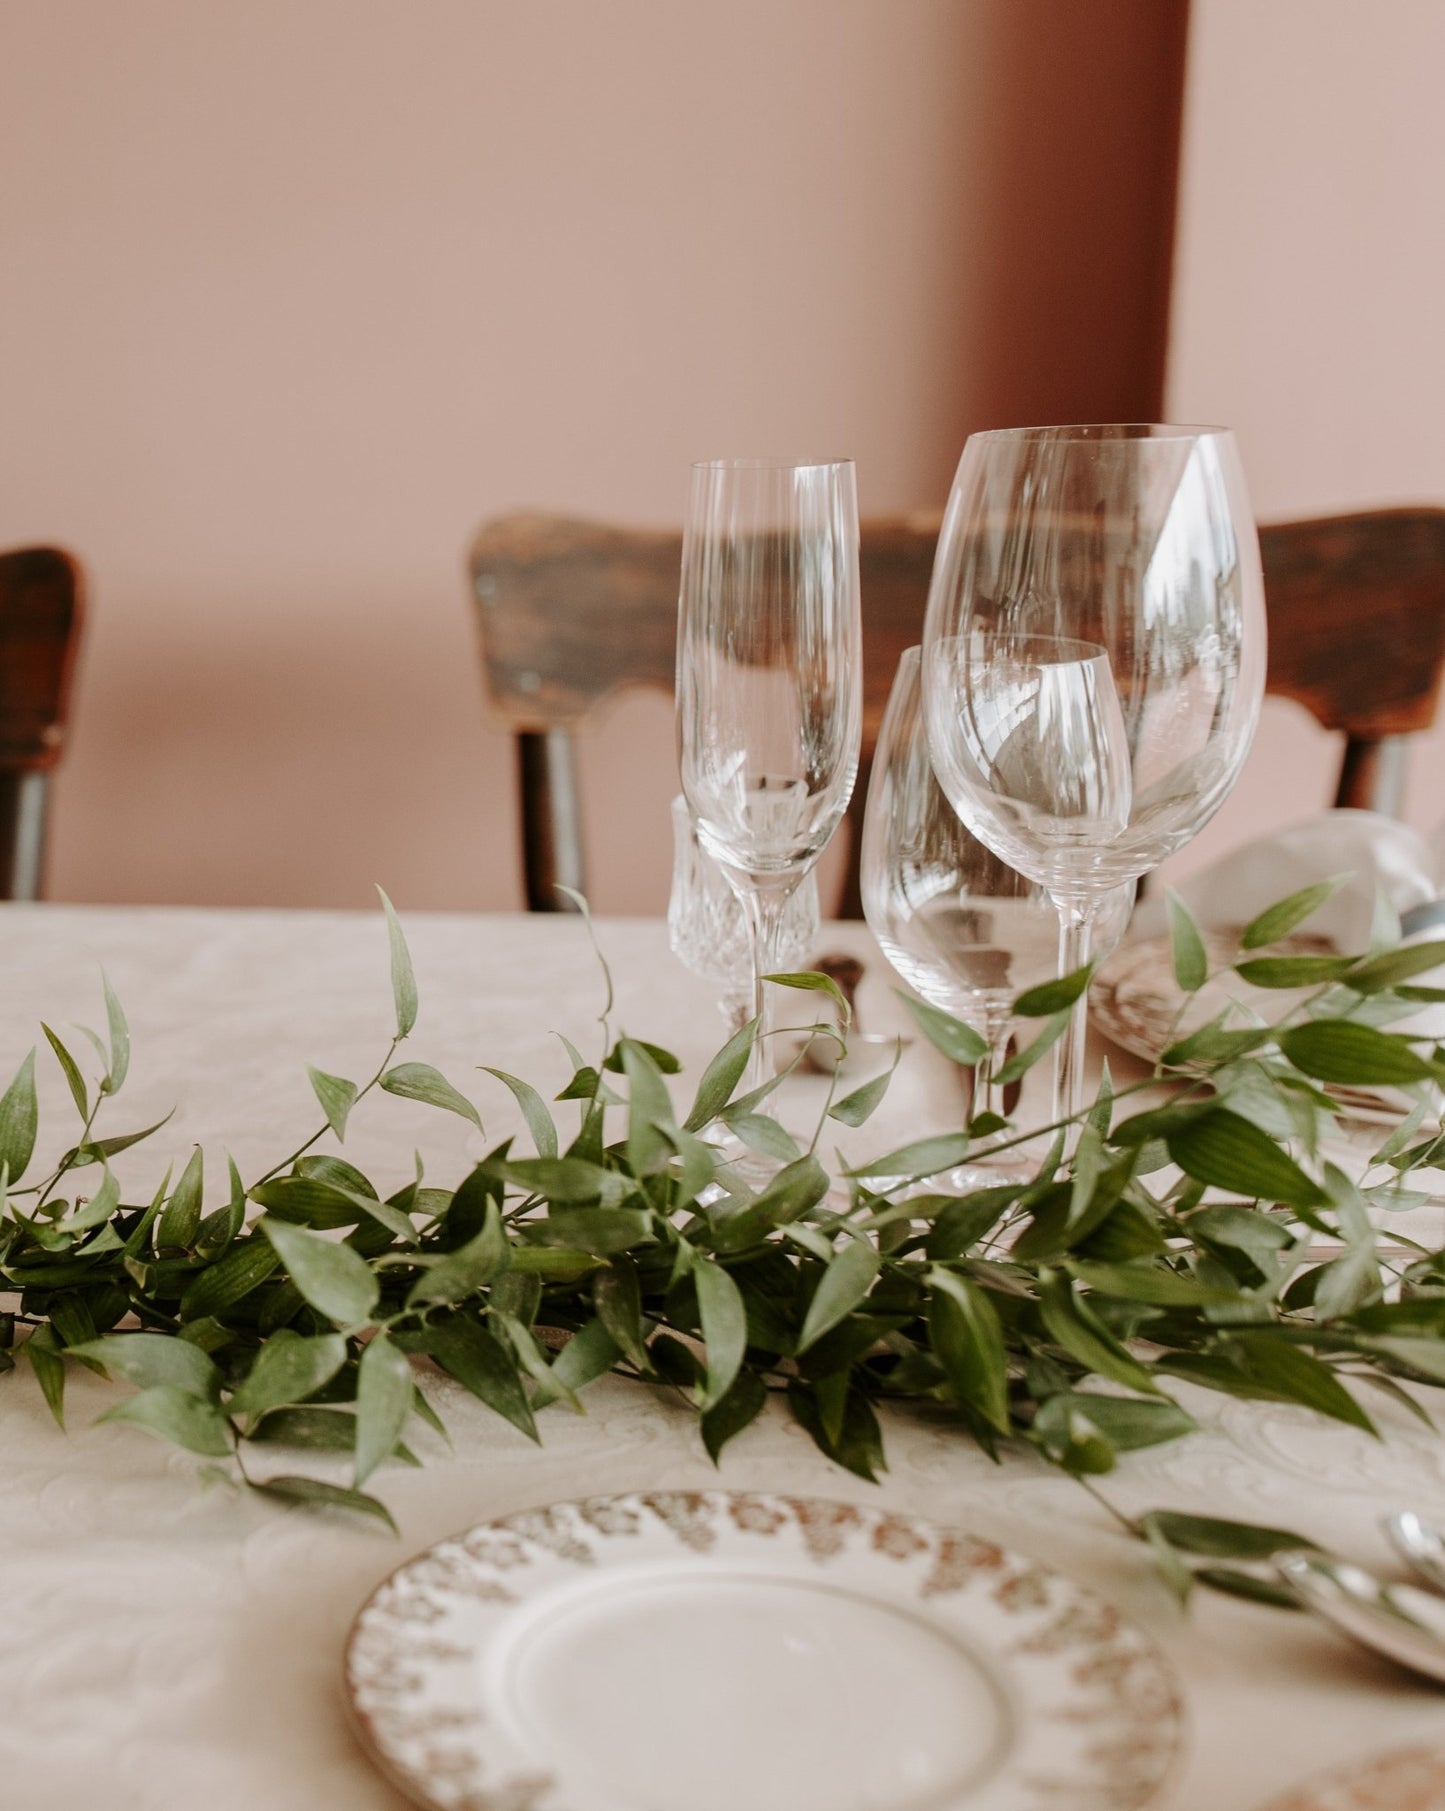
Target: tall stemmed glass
[(1094, 657), (956, 922), (769, 682)]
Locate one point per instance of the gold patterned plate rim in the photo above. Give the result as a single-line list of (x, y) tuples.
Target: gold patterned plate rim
[(1400, 1779), (480, 1671)]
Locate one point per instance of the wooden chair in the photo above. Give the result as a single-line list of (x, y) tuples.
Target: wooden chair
[(571, 611), (1357, 635), (40, 617)]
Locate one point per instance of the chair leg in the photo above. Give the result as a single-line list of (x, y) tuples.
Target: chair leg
[(551, 819), (23, 801), (1372, 775)]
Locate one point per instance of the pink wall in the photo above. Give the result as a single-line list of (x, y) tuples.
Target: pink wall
[(1308, 299), (296, 292)]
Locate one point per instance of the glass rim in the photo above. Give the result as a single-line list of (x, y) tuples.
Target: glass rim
[(1097, 430), (1028, 648), (769, 463)]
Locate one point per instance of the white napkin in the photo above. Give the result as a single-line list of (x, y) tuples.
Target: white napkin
[(1376, 852)]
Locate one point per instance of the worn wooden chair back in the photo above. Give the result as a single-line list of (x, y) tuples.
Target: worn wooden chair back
[(40, 617), (1357, 635), (571, 612)]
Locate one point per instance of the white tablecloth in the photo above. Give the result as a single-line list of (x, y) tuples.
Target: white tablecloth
[(167, 1647)]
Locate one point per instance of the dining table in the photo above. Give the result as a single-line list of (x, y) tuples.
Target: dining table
[(172, 1643)]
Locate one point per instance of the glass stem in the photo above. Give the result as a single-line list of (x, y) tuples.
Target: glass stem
[(987, 1095), (764, 901), (1076, 935)]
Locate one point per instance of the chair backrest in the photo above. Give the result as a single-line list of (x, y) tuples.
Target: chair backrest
[(1357, 635), (40, 617), (571, 612)]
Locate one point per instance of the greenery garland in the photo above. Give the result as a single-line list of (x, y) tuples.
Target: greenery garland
[(1051, 1311)]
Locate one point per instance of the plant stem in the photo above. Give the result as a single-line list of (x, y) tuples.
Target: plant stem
[(301, 1150)]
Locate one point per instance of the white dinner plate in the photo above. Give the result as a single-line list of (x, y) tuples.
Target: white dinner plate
[(1405, 1779), (688, 1651)]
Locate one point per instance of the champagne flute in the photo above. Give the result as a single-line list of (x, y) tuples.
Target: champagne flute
[(706, 929), (956, 922), (769, 683), (1094, 658)]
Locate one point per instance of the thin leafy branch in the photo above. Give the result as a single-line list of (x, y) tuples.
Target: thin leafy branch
[(1203, 1236)]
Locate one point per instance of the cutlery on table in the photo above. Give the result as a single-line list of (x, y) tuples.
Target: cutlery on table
[(1404, 1623)]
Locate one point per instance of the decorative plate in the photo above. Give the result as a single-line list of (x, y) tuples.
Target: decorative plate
[(752, 1653), (1136, 1001), (1406, 1779)]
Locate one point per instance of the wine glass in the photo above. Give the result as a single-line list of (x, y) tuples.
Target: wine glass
[(957, 923), (706, 929), (769, 683), (1094, 658)]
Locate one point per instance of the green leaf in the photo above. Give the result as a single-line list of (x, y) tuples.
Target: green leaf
[(811, 982), (589, 1354), (177, 1416), (925, 1157), (649, 1108), (100, 1207), (287, 1370), (73, 1078), (844, 1285), (181, 1220), (961, 1224), (1394, 966), (483, 1365), (1249, 1586), (560, 1178), (151, 1359), (315, 1494), (797, 1188), (724, 1327), (43, 1350), (462, 1272), (383, 1404), (403, 980), (960, 1043), (761, 1132), (741, 1406), (1171, 1567), (1065, 1431), (313, 1428), (967, 1339), (1295, 1375), (1075, 1326), (1338, 1050), (1130, 1422), (119, 1039), (617, 1297), (662, 1060), (1019, 1064), (599, 1230), (1153, 1284), (856, 1108), (1221, 1148), (336, 1095), (1052, 997), (534, 1110), (332, 1278), (230, 1279), (1279, 920), (1191, 959), (19, 1121), (1294, 971), (1216, 1537), (721, 1077), (419, 1081)]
